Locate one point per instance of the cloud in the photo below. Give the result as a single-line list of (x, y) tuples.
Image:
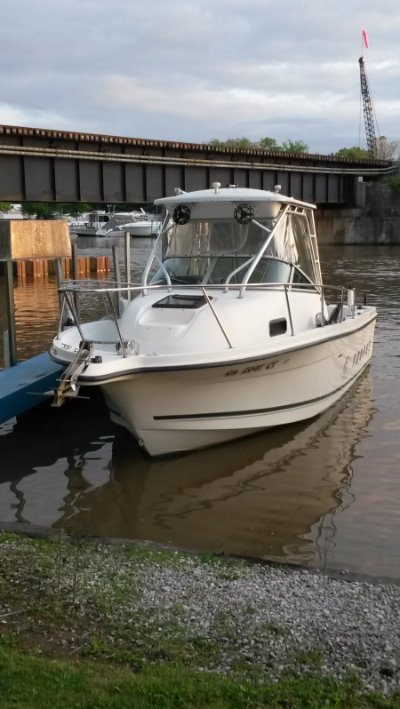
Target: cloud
[(199, 70)]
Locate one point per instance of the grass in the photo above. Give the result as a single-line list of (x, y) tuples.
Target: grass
[(73, 633), (30, 682)]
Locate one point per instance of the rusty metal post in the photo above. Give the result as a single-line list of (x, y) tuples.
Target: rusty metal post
[(117, 276), (128, 261), (59, 279), (75, 277), (12, 338)]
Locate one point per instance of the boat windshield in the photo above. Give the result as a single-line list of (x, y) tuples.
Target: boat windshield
[(217, 251)]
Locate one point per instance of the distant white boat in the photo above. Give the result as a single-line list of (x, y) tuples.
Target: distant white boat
[(10, 215), (137, 223), (14, 212), (149, 226), (88, 224)]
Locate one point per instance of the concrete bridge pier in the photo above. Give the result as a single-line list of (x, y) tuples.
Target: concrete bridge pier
[(374, 221)]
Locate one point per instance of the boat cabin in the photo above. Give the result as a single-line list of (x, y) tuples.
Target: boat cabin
[(212, 237)]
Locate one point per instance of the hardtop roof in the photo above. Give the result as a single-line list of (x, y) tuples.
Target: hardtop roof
[(229, 194)]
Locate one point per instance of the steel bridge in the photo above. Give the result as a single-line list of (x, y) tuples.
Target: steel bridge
[(41, 165)]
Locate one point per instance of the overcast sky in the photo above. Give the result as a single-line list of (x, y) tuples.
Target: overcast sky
[(201, 69)]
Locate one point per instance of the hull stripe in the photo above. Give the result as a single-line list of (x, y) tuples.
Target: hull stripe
[(209, 365), (250, 412)]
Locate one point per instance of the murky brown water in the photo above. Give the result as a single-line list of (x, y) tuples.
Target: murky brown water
[(324, 493)]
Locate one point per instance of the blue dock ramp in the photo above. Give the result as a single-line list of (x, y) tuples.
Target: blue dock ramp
[(23, 386)]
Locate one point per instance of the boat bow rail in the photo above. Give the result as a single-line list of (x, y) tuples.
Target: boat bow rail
[(115, 298)]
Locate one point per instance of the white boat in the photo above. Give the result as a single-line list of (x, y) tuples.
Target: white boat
[(146, 226), (137, 223), (90, 223), (229, 332), (102, 223)]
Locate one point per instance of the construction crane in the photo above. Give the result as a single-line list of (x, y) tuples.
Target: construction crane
[(369, 116)]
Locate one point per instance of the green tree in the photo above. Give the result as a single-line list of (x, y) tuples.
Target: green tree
[(42, 210), (292, 146), (387, 149), (295, 146), (393, 181), (352, 153), (269, 144), (217, 142), (49, 210), (74, 209), (5, 206), (243, 143)]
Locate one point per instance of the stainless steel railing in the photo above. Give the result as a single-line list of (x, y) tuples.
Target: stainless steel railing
[(73, 292)]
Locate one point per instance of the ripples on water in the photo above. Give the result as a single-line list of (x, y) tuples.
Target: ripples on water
[(323, 493)]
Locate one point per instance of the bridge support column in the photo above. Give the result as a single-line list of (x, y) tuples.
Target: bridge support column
[(360, 193)]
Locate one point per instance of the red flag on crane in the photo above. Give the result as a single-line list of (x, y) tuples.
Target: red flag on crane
[(365, 38)]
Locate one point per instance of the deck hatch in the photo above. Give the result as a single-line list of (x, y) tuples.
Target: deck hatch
[(177, 300)]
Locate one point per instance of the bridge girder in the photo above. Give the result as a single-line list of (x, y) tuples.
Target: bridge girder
[(38, 165)]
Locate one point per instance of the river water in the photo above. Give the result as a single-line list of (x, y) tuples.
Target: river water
[(324, 493)]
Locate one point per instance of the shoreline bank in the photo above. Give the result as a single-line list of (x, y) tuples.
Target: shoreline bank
[(246, 621)]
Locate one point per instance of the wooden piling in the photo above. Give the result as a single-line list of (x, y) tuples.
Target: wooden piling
[(85, 267), (23, 241), (21, 270)]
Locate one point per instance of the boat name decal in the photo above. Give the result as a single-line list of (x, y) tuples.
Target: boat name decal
[(351, 362), (253, 368)]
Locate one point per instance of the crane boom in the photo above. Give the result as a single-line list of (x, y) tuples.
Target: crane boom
[(369, 118)]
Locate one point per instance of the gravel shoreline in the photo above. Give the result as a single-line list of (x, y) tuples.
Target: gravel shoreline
[(245, 620)]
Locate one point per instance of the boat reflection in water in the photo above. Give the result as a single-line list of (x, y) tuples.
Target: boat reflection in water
[(40, 453), (267, 496)]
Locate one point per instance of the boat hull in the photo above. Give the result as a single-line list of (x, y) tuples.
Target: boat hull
[(85, 231), (180, 408), (144, 229)]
